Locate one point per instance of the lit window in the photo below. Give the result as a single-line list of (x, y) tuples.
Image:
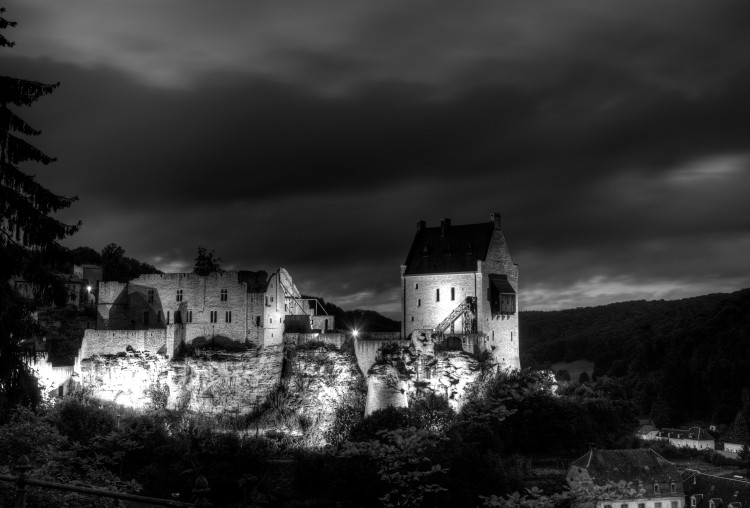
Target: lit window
[(214, 315), (223, 295), (453, 294), (150, 296), (179, 295), (228, 316)]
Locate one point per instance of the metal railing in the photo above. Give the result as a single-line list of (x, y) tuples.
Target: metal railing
[(22, 481)]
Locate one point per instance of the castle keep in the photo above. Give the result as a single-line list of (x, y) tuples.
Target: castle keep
[(459, 284)]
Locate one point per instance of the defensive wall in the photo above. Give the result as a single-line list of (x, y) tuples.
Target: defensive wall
[(366, 349)]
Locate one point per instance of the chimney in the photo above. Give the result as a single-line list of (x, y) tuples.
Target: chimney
[(445, 224), (421, 225), (495, 217)]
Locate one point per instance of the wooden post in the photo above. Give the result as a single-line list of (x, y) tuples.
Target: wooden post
[(22, 466)]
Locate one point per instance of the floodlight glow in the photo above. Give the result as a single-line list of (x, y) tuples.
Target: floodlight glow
[(355, 333), (88, 288)]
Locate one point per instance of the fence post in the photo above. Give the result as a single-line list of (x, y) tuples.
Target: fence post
[(200, 491), (22, 466)]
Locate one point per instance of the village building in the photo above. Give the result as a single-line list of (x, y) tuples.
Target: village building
[(459, 284), (709, 491), (694, 437), (656, 481)]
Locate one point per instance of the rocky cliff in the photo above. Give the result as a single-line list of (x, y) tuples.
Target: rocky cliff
[(214, 382)]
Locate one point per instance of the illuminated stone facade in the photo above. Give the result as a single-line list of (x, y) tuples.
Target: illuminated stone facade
[(230, 309), (460, 281)]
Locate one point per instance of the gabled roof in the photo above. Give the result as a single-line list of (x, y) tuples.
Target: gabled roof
[(729, 490), (448, 248), (694, 433), (639, 465)]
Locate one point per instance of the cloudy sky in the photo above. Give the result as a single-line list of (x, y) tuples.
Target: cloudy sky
[(612, 135)]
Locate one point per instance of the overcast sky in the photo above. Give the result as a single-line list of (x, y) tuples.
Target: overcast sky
[(612, 135)]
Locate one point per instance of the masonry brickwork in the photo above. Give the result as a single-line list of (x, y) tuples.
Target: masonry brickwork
[(448, 264), (232, 309)]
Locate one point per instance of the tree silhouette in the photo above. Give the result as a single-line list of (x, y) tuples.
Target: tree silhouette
[(207, 262), (28, 234)]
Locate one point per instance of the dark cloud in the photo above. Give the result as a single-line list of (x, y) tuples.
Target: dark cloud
[(612, 137)]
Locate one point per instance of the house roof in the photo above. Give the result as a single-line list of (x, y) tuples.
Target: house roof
[(694, 433), (729, 490), (639, 465), (448, 248), (645, 429)]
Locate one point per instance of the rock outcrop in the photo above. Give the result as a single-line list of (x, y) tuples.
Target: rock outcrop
[(213, 382)]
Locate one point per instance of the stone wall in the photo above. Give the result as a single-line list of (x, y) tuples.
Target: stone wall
[(323, 323), (367, 351), (501, 331), (421, 305), (111, 342), (334, 339)]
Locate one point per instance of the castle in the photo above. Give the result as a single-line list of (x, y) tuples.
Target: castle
[(161, 312), (460, 285)]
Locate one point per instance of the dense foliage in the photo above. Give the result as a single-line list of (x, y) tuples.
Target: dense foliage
[(29, 234), (679, 360)]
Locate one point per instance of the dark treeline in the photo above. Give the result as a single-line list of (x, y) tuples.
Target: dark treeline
[(116, 265), (679, 360), (359, 319)]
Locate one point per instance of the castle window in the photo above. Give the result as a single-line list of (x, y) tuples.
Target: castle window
[(672, 487), (453, 294), (158, 316), (272, 299), (189, 316), (214, 316), (641, 505), (419, 302), (179, 295), (257, 320), (656, 487), (228, 316), (150, 296), (657, 504), (607, 506), (624, 505), (511, 336), (270, 321), (416, 286), (693, 501), (167, 317), (412, 318), (675, 504), (223, 295), (437, 295), (145, 318)]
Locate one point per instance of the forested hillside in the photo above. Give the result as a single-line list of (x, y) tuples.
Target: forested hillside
[(680, 360)]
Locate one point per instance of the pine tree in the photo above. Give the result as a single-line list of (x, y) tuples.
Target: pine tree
[(28, 234)]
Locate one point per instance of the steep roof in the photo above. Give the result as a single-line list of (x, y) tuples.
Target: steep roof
[(640, 465), (729, 490), (448, 248)]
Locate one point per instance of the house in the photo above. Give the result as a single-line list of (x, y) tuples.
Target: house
[(656, 480), (709, 491), (647, 432), (459, 284), (694, 437)]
